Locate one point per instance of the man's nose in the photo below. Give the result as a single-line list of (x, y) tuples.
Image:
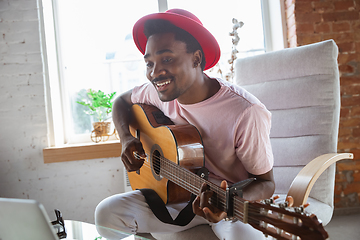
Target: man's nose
[(157, 71)]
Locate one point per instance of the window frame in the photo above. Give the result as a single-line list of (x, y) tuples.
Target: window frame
[(274, 35)]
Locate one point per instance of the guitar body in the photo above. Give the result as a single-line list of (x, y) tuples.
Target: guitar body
[(180, 144)]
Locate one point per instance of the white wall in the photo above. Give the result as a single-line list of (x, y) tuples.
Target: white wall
[(73, 187)]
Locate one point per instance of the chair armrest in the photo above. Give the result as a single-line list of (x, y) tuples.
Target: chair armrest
[(302, 184)]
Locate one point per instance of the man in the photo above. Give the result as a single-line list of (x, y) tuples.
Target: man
[(234, 126)]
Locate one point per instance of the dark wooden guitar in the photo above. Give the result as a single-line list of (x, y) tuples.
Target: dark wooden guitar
[(175, 153)]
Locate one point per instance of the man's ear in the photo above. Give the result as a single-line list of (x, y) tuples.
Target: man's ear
[(197, 58)]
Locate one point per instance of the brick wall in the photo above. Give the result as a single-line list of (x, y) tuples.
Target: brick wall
[(310, 21)]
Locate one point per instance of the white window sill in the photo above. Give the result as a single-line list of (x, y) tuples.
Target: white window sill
[(85, 151)]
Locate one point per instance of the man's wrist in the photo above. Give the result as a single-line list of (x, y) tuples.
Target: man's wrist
[(125, 137)]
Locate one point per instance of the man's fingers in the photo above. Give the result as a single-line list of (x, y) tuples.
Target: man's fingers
[(133, 162), (202, 207), (224, 184), (203, 212), (204, 198), (130, 163), (195, 206), (209, 215), (213, 217), (222, 215), (139, 152), (205, 195), (204, 187)]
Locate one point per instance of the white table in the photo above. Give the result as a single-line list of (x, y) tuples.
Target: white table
[(85, 231)]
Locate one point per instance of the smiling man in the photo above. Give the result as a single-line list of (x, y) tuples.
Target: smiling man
[(234, 126)]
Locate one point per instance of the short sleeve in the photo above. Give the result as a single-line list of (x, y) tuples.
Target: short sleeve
[(253, 146)]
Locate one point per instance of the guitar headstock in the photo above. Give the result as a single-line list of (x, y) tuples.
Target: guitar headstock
[(284, 222)]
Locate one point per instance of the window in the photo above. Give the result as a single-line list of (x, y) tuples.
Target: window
[(89, 46)]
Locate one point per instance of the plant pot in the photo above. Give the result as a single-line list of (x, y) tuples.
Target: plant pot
[(101, 132)]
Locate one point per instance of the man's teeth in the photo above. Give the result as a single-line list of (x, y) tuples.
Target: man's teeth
[(163, 83)]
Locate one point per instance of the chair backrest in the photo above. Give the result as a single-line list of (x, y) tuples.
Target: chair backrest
[(300, 86)]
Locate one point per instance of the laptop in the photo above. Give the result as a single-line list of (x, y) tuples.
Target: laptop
[(24, 219)]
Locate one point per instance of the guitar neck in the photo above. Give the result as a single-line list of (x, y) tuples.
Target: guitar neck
[(192, 183), (266, 218)]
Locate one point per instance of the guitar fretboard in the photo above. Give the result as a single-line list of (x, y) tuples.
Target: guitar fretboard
[(192, 183)]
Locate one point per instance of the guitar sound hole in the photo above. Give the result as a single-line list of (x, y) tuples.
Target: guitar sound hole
[(156, 162)]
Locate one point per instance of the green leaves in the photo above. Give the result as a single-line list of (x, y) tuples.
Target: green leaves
[(99, 104)]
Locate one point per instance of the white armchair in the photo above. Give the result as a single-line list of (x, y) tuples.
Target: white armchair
[(300, 86)]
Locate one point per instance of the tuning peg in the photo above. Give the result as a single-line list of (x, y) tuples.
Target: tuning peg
[(299, 209), (283, 205), (306, 205), (275, 197), (289, 200), (268, 201)]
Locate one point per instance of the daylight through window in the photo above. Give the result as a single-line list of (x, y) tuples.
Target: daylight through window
[(95, 49)]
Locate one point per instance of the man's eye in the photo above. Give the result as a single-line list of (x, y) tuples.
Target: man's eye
[(167, 60), (149, 65)]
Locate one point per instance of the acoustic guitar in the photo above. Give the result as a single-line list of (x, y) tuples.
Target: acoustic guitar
[(174, 169)]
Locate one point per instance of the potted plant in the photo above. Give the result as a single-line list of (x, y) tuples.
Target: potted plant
[(99, 106)]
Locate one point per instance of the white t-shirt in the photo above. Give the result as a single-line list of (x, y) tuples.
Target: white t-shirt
[(234, 126)]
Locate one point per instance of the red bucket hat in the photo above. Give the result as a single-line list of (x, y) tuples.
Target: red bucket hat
[(188, 22)]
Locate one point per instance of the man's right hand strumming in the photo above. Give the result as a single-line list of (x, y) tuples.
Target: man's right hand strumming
[(133, 154)]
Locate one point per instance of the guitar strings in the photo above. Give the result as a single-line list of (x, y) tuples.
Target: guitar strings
[(175, 170), (237, 203), (190, 175), (220, 193)]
